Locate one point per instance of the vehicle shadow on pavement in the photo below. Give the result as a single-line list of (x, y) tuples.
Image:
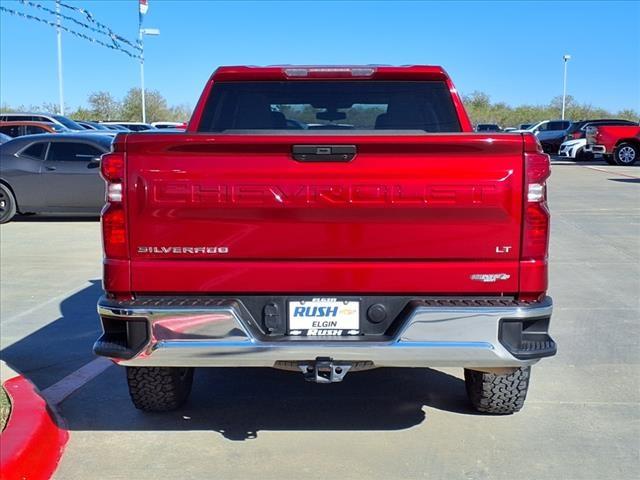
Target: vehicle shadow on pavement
[(63, 345), (238, 403), (235, 402), (625, 180)]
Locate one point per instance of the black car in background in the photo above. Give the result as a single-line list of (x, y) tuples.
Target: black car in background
[(52, 173), (488, 127)]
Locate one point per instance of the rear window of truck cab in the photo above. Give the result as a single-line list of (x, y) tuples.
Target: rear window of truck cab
[(316, 106)]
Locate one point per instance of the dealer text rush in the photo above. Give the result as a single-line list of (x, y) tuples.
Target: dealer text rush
[(316, 312)]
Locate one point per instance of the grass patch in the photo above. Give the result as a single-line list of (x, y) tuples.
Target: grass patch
[(5, 408)]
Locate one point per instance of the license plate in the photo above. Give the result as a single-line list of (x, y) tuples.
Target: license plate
[(327, 317)]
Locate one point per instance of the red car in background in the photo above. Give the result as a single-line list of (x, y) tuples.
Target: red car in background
[(20, 128), (620, 145)]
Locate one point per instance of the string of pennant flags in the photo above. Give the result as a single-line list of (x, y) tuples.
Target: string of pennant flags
[(99, 28), (85, 26), (118, 43)]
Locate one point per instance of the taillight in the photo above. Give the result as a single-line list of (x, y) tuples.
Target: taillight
[(112, 167), (114, 227), (114, 231), (535, 238), (536, 232)]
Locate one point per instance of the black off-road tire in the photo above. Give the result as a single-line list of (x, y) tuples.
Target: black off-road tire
[(498, 394), (159, 389), (8, 207), (626, 154)]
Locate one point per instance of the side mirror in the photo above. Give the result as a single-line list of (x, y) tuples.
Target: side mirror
[(94, 162)]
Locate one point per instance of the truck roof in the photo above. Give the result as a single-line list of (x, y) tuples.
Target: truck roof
[(342, 72)]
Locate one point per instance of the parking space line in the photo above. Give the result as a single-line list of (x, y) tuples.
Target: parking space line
[(609, 171), (57, 392)]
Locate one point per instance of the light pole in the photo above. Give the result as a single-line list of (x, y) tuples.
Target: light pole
[(566, 58), (59, 35), (141, 33)]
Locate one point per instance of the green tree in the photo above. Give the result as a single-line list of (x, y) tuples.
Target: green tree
[(49, 107), (481, 110), (156, 106), (103, 106), (629, 114), (82, 114), (179, 113), (8, 108)]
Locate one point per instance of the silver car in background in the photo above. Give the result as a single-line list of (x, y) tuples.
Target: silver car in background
[(41, 117)]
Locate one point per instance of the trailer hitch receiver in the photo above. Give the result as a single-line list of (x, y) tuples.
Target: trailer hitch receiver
[(324, 370)]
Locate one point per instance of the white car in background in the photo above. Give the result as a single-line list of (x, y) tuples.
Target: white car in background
[(574, 149), (547, 126), (42, 117)]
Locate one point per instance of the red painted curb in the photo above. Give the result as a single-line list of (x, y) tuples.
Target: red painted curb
[(31, 443)]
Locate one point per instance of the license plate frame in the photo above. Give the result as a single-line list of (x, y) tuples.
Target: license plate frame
[(325, 317)]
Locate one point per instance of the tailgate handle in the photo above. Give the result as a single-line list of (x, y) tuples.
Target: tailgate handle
[(324, 153)]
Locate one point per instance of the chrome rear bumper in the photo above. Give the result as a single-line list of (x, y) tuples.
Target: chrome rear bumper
[(595, 148), (223, 334)]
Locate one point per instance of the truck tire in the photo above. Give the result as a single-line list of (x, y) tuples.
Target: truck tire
[(626, 154), (8, 206), (497, 394), (159, 389)]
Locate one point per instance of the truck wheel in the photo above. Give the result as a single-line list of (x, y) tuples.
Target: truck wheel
[(7, 204), (159, 389), (626, 154), (499, 394)]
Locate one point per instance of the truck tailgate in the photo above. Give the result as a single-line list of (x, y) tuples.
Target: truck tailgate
[(432, 213)]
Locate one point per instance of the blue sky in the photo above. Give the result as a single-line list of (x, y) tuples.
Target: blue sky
[(510, 50)]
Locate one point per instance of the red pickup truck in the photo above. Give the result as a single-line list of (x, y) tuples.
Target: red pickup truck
[(326, 220), (619, 144)]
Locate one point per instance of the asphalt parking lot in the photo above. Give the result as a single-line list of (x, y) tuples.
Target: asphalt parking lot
[(581, 419)]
